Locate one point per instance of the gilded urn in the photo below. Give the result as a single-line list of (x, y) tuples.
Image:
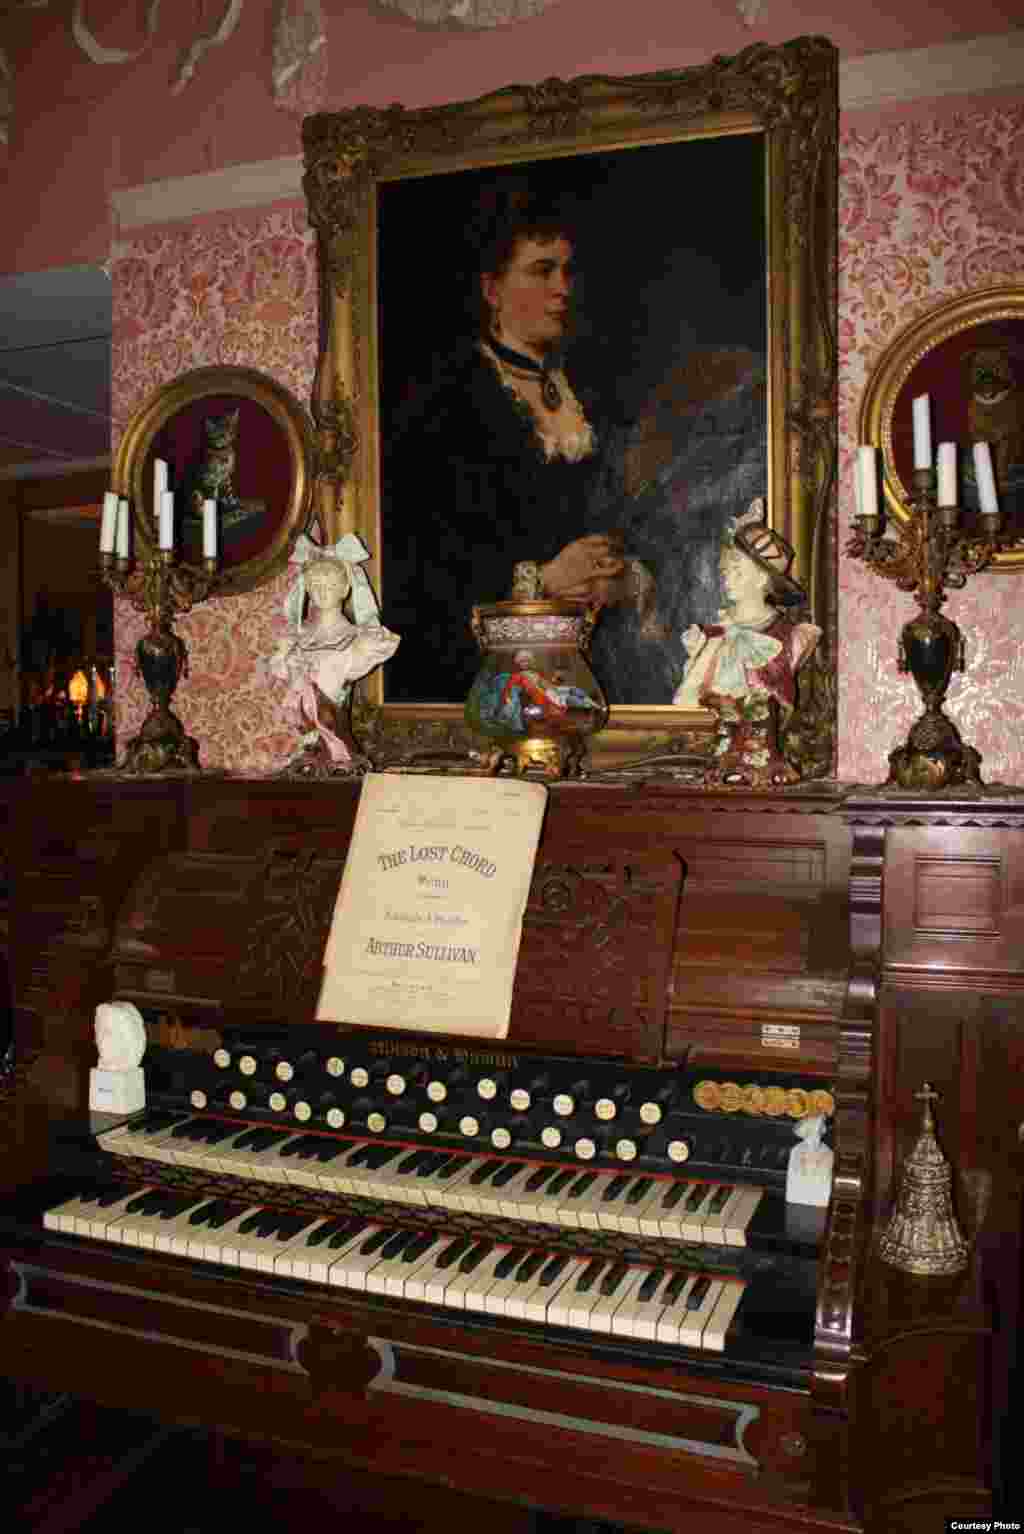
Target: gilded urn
[(535, 701)]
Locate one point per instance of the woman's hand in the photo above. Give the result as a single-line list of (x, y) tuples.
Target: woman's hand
[(586, 569)]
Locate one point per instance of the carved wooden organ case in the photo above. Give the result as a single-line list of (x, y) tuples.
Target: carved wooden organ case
[(569, 1254)]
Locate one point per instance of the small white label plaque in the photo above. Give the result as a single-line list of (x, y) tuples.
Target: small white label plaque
[(780, 1036)]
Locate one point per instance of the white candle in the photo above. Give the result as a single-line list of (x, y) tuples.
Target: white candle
[(867, 482), (209, 529), (167, 520), (947, 473), (986, 480), (922, 432), (124, 546), (108, 523), (159, 486)]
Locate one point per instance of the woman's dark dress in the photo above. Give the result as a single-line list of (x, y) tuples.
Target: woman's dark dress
[(468, 494)]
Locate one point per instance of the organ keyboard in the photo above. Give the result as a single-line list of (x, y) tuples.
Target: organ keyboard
[(561, 1267)]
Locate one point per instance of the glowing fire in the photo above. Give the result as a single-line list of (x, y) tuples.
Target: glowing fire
[(78, 688)]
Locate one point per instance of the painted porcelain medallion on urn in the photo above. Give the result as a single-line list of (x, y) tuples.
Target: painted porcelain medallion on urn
[(535, 701)]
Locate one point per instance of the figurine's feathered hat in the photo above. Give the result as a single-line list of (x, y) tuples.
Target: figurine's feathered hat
[(767, 548)]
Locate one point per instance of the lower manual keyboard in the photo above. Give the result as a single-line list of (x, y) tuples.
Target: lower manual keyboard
[(696, 1209), (658, 1303)]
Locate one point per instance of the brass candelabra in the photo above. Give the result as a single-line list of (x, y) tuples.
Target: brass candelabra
[(161, 586), (929, 555)]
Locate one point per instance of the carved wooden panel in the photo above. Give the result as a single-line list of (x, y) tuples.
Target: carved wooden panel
[(954, 899)]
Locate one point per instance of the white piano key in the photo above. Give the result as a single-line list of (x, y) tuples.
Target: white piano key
[(631, 1308), (602, 1314), (387, 1267), (518, 1297), (691, 1211), (485, 1278), (505, 1285), (570, 1207), (514, 1202), (172, 1232), (692, 1324), (220, 1245), (429, 1281), (351, 1268), (667, 1325), (314, 1263), (461, 1282), (405, 1273), (647, 1313), (713, 1218), (62, 1217), (558, 1305), (740, 1216), (717, 1328), (631, 1214), (581, 1303), (537, 1306)]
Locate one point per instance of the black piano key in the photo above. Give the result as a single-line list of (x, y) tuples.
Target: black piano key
[(674, 1287), (433, 1163), (454, 1252), (155, 1121), (409, 1164), (144, 1203), (562, 1180), (394, 1246), (696, 1296), (323, 1232), (251, 1222), (613, 1278), (265, 1139), (203, 1215), (450, 1167), (649, 1287), (539, 1178), (589, 1275), (184, 1130), (674, 1194), (224, 1214), (551, 1270), (380, 1155), (245, 1139), (719, 1199), (326, 1152), (505, 1174), (696, 1196), (508, 1264), (110, 1196), (485, 1172), (527, 1269), (297, 1144), (349, 1232), (416, 1248), (475, 1256), (581, 1185), (639, 1190), (615, 1189), (374, 1242), (358, 1154), (177, 1204)]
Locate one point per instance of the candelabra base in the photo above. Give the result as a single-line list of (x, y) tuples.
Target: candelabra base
[(161, 746), (934, 756)]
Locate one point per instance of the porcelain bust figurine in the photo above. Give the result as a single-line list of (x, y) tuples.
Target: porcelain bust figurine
[(744, 666), (326, 653), (117, 1083)]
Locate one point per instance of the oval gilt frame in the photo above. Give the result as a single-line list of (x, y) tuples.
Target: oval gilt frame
[(885, 408), (293, 461)]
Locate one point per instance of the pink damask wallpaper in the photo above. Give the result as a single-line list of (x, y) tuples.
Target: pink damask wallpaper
[(242, 293), (930, 208)]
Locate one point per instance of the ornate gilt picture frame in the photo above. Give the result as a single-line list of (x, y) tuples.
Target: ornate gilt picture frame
[(370, 174), (955, 354), (259, 432)]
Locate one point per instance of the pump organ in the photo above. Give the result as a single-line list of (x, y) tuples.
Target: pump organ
[(570, 1251)]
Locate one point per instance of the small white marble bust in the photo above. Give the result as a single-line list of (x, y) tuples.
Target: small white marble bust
[(117, 1083), (809, 1174)]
